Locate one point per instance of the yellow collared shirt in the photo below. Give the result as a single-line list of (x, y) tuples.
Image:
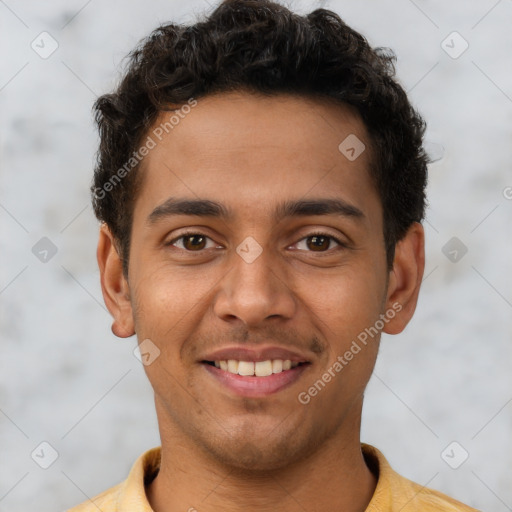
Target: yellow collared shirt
[(393, 493)]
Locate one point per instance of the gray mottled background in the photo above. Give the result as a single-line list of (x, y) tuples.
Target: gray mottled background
[(66, 380)]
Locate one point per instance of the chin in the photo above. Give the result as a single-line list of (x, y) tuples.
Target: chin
[(251, 458), (261, 454)]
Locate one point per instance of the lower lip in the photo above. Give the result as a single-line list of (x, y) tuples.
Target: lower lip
[(256, 386)]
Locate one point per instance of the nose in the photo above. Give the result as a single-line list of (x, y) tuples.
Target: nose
[(253, 291)]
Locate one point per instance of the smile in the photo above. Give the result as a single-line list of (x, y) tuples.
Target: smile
[(258, 368), (255, 379)]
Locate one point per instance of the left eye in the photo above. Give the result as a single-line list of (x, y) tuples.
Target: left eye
[(319, 241)]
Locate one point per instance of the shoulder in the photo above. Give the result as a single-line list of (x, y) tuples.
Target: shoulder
[(129, 494), (105, 501), (423, 498), (395, 492)]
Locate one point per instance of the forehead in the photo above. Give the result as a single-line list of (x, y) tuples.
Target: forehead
[(246, 150), (263, 122)]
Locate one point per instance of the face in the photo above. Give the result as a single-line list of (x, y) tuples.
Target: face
[(256, 239)]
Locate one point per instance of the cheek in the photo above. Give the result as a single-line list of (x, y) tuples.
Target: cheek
[(347, 302), (166, 299), (345, 317), (165, 313), (345, 313)]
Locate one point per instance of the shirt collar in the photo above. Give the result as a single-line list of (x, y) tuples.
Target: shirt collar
[(132, 494), (392, 492)]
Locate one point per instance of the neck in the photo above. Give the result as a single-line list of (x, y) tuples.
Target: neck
[(335, 477)]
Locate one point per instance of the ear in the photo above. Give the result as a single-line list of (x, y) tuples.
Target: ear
[(405, 278), (114, 286)]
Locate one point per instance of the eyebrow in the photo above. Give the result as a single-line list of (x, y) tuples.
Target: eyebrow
[(300, 208)]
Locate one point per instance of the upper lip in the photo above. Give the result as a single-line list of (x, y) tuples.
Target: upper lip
[(256, 353)]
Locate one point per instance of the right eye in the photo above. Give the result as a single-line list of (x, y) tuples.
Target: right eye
[(190, 241)]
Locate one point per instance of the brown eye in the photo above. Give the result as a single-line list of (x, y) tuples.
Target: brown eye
[(191, 242), (319, 242)]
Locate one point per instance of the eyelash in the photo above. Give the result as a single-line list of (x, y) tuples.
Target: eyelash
[(316, 233)]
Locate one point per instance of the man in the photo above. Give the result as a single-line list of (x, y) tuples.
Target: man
[(261, 186)]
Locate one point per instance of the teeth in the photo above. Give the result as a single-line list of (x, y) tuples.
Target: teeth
[(245, 368), (259, 368), (232, 366), (277, 366), (263, 368)]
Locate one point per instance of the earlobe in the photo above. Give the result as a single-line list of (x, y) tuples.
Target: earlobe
[(114, 286), (405, 278)]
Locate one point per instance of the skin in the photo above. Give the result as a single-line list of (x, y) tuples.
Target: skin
[(248, 152)]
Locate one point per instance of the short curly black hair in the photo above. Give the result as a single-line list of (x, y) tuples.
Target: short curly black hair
[(261, 46)]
